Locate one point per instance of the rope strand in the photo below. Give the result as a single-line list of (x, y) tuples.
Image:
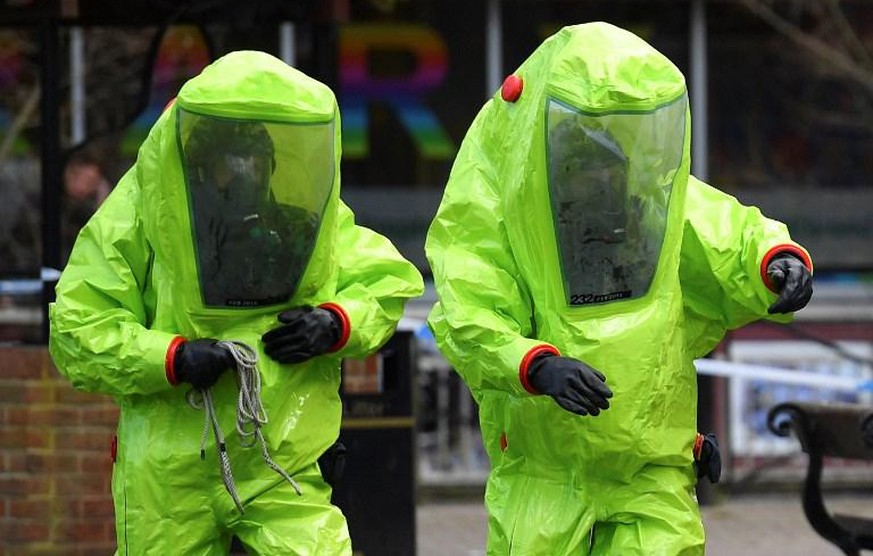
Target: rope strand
[(250, 417)]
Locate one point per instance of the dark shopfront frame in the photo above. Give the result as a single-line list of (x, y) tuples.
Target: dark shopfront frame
[(50, 17)]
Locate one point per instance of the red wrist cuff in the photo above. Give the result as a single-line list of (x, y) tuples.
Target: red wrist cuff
[(346, 325), (788, 248), (528, 358), (170, 359), (698, 444)]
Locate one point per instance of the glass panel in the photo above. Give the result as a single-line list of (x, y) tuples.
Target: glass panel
[(20, 173)]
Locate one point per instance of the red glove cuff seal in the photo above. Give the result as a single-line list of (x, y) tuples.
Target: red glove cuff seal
[(782, 248), (170, 359), (698, 445), (346, 325), (524, 367)]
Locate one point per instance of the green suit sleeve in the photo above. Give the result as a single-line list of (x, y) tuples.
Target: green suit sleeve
[(375, 281), (482, 321), (99, 336), (725, 250)]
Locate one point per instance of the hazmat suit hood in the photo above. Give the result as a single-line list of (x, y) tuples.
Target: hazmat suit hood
[(240, 187), (610, 155)]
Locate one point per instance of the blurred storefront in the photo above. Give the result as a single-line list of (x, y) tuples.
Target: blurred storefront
[(781, 94)]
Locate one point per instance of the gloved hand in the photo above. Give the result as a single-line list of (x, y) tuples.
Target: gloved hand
[(571, 383), (305, 333), (707, 457), (794, 282), (201, 362)]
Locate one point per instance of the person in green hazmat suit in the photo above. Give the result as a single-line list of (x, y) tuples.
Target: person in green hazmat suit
[(219, 285), (580, 269)]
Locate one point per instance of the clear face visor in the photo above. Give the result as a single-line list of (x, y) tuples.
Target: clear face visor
[(257, 192), (610, 179)]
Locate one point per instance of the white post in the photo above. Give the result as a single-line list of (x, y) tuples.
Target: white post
[(443, 404), (287, 50), (699, 91), (493, 48), (78, 114)]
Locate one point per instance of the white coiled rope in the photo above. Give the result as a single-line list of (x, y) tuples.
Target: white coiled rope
[(250, 416)]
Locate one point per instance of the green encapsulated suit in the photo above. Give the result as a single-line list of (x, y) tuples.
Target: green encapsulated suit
[(570, 224), (174, 252)]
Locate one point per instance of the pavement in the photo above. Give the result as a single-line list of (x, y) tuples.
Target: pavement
[(737, 525)]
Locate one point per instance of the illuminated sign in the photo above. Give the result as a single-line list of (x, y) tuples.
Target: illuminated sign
[(13, 72), (360, 85)]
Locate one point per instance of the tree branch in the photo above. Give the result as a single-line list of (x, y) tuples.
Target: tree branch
[(827, 53)]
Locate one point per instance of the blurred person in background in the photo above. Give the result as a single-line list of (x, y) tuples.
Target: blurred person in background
[(85, 188), (580, 269), (226, 247)]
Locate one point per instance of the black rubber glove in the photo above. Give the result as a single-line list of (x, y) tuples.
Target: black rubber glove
[(332, 464), (794, 282), (201, 362), (305, 333), (707, 460), (571, 383)]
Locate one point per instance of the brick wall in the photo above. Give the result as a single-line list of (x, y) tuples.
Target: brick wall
[(55, 465)]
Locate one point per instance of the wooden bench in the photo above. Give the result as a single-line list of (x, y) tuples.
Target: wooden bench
[(829, 430)]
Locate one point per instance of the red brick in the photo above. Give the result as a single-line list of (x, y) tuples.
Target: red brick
[(23, 485), (87, 439), (30, 509), (58, 416), (78, 484), (22, 370), (21, 392), (25, 362), (13, 461), (39, 437), (80, 530), (18, 530), (92, 508), (13, 392), (66, 395), (110, 531), (52, 462), (24, 437), (46, 549), (15, 414), (90, 549), (41, 393), (96, 463), (100, 415)]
